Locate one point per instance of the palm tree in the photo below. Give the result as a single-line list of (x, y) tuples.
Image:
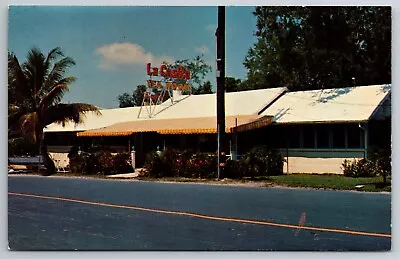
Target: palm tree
[(35, 90)]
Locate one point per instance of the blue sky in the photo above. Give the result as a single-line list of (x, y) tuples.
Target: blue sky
[(111, 45)]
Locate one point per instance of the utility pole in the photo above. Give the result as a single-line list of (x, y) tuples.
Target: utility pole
[(220, 35)]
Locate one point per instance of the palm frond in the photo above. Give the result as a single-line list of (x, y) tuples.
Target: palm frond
[(53, 54), (18, 86), (54, 96), (75, 112), (35, 71), (30, 125), (57, 73)]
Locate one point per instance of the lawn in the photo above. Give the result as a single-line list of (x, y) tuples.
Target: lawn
[(336, 182), (329, 181)]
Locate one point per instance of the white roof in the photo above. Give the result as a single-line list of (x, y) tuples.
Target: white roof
[(331, 105), (236, 103), (93, 121)]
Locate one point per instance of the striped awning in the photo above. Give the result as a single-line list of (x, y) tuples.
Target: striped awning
[(256, 124), (205, 125)]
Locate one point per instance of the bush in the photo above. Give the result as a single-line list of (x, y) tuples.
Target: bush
[(173, 163), (122, 163), (202, 165), (22, 146), (234, 169), (154, 165), (379, 164), (262, 161), (103, 163), (360, 168)]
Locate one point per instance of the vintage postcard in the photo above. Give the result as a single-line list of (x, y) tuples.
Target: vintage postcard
[(194, 128)]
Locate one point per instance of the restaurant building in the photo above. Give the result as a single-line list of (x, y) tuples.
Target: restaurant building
[(315, 130)]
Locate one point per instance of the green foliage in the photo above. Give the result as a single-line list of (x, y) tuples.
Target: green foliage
[(198, 68), (173, 163), (235, 169), (22, 146), (35, 89), (233, 85), (136, 99), (154, 165), (101, 163), (360, 168), (126, 100), (203, 89), (262, 161), (202, 165), (305, 48), (379, 164)]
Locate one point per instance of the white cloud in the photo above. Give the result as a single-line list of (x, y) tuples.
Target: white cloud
[(202, 49), (120, 54)]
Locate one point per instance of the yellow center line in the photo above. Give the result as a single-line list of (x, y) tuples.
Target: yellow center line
[(342, 231)]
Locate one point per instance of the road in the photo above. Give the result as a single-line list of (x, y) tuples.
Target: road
[(86, 214)]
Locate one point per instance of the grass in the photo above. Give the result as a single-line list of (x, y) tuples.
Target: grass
[(336, 182)]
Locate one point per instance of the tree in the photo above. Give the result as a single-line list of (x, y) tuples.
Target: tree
[(138, 94), (36, 88), (203, 89), (320, 47), (125, 100), (198, 68), (136, 99), (232, 84)]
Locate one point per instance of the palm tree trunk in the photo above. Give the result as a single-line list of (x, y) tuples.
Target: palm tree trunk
[(47, 161)]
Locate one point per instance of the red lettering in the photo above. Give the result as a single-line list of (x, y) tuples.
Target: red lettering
[(148, 69), (163, 70), (179, 72)]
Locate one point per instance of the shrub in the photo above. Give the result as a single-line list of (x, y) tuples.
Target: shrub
[(122, 163), (104, 163), (202, 165), (360, 168), (99, 163), (173, 163), (78, 164), (154, 165), (234, 169), (382, 159), (262, 161)]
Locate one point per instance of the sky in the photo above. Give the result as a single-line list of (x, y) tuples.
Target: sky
[(111, 45)]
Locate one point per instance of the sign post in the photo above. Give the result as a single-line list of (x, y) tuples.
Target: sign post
[(220, 35)]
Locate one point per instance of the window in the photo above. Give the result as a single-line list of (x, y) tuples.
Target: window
[(322, 136), (308, 136), (354, 136), (339, 136), (293, 135)]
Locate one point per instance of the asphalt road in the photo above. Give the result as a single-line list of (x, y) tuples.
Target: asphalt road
[(36, 223)]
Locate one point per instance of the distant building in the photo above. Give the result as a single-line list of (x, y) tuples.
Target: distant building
[(315, 130)]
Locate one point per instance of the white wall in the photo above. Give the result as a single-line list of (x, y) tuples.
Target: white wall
[(317, 161)]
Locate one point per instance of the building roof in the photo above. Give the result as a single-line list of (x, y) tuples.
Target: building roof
[(331, 105), (192, 106), (236, 103), (201, 125), (93, 121)]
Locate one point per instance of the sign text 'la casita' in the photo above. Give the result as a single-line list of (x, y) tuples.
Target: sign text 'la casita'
[(164, 71)]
